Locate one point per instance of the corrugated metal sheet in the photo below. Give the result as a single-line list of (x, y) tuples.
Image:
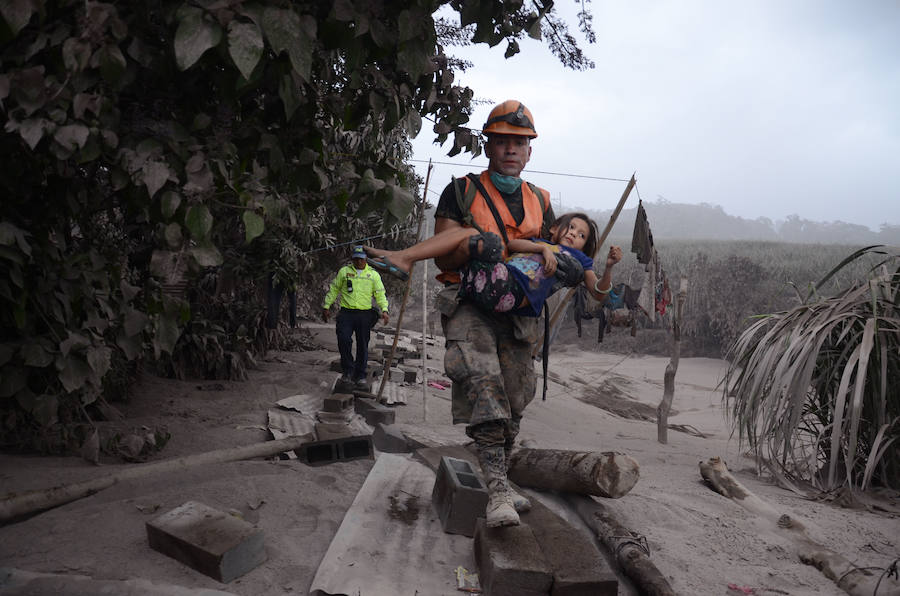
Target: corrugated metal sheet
[(391, 540)]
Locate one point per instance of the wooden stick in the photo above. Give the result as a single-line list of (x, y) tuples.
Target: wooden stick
[(425, 314), (390, 358), (14, 506), (609, 225), (662, 410), (630, 550), (855, 580)]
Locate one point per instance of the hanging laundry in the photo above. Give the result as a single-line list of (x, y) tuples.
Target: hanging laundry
[(601, 328), (642, 237), (647, 299), (664, 297), (615, 298), (620, 318), (579, 307)]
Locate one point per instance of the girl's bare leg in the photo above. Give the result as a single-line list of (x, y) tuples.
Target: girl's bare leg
[(438, 245)]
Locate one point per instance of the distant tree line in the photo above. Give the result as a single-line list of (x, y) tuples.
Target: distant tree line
[(710, 222)]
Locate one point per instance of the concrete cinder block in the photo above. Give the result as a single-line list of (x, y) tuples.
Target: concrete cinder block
[(373, 412), (389, 438), (396, 375), (208, 540), (342, 417), (459, 496), (332, 429), (321, 452), (356, 448), (410, 373), (338, 402), (578, 567), (510, 561), (342, 386)]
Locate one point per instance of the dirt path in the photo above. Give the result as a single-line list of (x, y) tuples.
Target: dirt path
[(700, 540)]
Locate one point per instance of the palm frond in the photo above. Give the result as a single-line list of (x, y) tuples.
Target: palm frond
[(817, 388)]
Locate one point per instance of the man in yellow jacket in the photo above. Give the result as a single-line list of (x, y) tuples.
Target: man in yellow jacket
[(357, 283)]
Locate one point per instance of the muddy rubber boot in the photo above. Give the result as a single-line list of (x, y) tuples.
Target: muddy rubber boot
[(520, 502), (500, 511)]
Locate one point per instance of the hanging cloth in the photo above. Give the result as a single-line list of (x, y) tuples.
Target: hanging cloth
[(642, 237)]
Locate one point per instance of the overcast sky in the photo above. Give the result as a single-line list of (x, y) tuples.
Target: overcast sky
[(766, 108)]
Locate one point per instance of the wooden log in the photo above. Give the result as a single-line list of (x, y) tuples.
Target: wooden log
[(607, 474), (15, 506), (629, 549), (853, 579)]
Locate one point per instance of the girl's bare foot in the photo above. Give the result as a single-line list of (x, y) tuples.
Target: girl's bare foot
[(376, 252), (389, 261)]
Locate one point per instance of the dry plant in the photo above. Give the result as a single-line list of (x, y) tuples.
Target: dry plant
[(815, 390)]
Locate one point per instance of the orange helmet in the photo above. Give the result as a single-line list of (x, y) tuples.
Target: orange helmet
[(510, 118)]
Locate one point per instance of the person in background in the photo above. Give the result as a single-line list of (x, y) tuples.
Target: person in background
[(357, 283)]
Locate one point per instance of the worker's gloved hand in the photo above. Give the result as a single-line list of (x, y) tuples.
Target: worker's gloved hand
[(569, 272), (325, 314), (486, 247)]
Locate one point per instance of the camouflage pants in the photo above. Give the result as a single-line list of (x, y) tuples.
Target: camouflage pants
[(488, 358)]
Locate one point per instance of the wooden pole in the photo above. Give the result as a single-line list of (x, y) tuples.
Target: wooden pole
[(612, 220), (390, 358), (662, 411), (40, 500), (425, 313)]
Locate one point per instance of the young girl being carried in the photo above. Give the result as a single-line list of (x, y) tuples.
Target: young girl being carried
[(534, 270)]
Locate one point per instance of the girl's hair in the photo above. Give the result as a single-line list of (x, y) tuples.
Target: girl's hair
[(590, 245)]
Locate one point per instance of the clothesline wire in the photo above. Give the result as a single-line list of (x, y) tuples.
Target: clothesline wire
[(468, 165), (356, 241)]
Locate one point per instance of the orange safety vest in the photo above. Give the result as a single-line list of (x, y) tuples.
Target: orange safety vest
[(482, 216)]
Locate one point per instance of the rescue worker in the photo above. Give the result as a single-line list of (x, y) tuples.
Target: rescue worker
[(488, 355), (357, 283)]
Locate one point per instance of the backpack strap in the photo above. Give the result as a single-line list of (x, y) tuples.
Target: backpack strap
[(464, 202), (545, 352)]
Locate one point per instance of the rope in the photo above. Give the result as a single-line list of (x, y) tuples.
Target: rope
[(891, 572), (853, 569), (634, 539)]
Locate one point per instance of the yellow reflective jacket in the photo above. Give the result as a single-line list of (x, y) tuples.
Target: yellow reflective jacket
[(366, 285)]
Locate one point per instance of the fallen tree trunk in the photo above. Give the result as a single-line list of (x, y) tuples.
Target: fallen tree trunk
[(607, 474), (13, 506), (629, 550), (849, 577)]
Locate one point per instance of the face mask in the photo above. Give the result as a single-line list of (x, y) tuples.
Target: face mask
[(505, 184)]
